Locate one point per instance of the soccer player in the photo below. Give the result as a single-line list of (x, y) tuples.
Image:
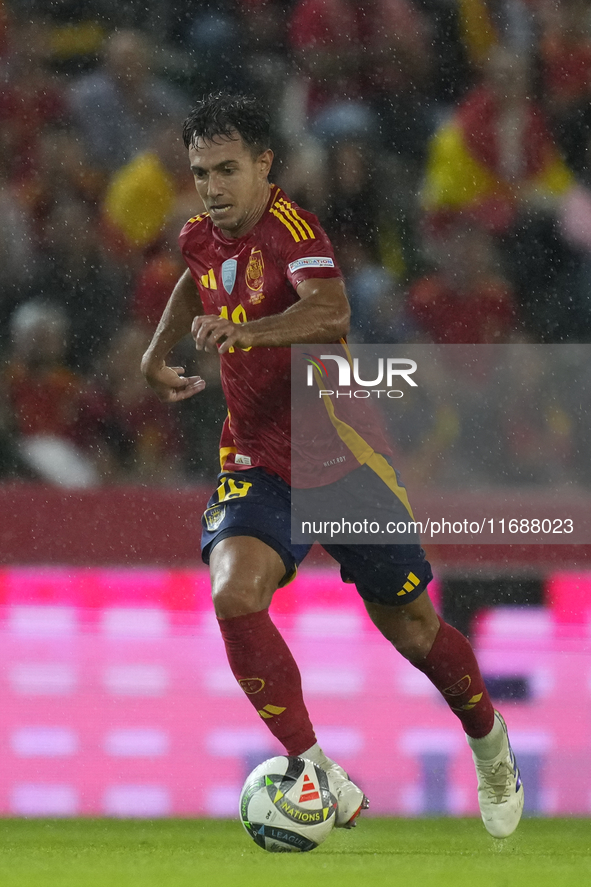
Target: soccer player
[(254, 285)]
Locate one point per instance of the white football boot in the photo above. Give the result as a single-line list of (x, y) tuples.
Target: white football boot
[(350, 799), (500, 790)]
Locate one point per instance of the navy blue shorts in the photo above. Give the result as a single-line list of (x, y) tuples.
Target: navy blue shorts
[(256, 503)]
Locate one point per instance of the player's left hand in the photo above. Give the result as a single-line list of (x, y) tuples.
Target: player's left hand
[(212, 333)]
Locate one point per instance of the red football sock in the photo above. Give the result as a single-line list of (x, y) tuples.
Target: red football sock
[(452, 667), (267, 672)]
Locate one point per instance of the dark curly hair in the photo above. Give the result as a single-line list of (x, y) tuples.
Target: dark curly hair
[(221, 114)]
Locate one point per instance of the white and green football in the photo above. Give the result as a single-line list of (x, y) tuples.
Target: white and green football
[(287, 805)]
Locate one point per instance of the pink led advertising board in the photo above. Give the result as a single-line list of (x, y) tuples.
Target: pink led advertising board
[(116, 697)]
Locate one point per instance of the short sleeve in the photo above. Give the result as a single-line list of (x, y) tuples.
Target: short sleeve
[(312, 254)]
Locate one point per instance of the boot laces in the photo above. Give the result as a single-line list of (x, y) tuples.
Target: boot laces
[(498, 779)]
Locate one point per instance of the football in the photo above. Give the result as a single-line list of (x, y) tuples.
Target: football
[(287, 805)]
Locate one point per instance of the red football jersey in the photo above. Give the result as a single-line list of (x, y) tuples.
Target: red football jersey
[(250, 277)]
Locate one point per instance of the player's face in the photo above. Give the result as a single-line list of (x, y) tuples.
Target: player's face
[(231, 182)]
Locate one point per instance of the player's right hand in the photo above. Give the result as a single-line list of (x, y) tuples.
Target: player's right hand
[(170, 383)]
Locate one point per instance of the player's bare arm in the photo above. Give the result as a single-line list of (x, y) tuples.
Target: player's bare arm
[(320, 316), (170, 383)]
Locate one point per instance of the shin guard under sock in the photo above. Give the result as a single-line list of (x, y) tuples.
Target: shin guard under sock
[(452, 667), (267, 672)]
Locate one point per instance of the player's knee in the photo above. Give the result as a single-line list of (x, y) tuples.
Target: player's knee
[(415, 644), (411, 630), (245, 573), (234, 596)]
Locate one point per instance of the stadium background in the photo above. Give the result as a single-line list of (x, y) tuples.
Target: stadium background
[(115, 696)]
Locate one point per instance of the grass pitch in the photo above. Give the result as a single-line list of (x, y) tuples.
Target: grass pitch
[(208, 853)]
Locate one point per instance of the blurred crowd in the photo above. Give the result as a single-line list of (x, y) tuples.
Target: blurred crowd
[(444, 144)]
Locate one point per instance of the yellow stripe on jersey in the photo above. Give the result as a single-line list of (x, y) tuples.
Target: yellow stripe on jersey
[(198, 218), (208, 280), (224, 453), (286, 207), (293, 220), (385, 472), (363, 452), (347, 351), (287, 224)]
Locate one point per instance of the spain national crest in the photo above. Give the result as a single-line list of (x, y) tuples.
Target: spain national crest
[(254, 270)]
